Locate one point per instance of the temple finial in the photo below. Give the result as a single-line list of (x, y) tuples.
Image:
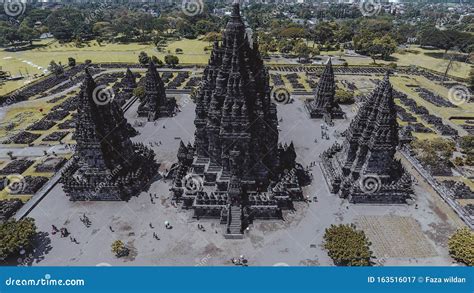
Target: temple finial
[(236, 9)]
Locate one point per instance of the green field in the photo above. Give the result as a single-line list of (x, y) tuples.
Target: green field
[(14, 62), (36, 60)]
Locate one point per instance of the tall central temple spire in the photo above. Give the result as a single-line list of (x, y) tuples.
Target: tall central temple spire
[(236, 153), (235, 86)]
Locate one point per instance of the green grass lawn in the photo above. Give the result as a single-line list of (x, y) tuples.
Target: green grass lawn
[(36, 60), (16, 62)]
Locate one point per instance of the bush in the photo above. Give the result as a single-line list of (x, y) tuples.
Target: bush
[(461, 246), (458, 161), (344, 97), (157, 61), (143, 58), (392, 65), (71, 62), (139, 92), (119, 249), (347, 246), (171, 60), (16, 235)]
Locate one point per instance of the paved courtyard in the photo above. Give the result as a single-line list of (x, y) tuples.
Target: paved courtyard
[(297, 240)]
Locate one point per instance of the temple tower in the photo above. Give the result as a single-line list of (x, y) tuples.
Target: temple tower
[(155, 104), (106, 164), (364, 169), (324, 105)]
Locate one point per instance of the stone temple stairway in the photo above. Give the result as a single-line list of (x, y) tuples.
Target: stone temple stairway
[(234, 223)]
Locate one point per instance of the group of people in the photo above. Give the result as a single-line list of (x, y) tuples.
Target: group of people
[(155, 236), (152, 197), (64, 233), (240, 261), (85, 220), (155, 143)]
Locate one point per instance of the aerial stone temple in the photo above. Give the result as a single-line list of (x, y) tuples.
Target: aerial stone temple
[(124, 89), (236, 171), (324, 105), (106, 164), (363, 169), (155, 104), (128, 81)]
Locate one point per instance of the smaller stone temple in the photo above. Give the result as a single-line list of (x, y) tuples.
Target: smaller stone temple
[(363, 169), (155, 104), (128, 82), (124, 89), (106, 164), (324, 104)]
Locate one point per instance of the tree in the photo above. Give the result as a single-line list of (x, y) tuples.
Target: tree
[(26, 32), (157, 61), (16, 235), (10, 154), (171, 60), (433, 152), (212, 36), (344, 97), (302, 50), (55, 68), (458, 161), (324, 32), (293, 33), (285, 46), (385, 46), (143, 58), (347, 246), (471, 79), (71, 62), (204, 26), (103, 29), (461, 246), (469, 160), (119, 249), (67, 23), (467, 144), (433, 37), (139, 92)]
